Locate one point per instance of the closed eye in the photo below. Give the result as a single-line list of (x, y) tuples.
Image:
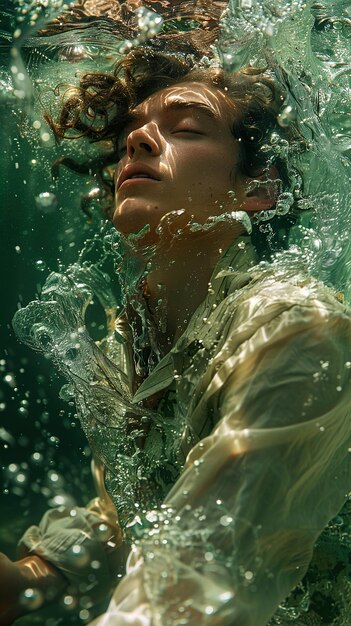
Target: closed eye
[(187, 130)]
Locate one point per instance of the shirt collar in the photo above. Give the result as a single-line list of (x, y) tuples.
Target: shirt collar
[(229, 274)]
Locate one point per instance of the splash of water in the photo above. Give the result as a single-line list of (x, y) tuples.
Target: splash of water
[(308, 46), (55, 325)]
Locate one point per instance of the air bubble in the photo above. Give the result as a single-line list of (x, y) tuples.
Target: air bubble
[(72, 54), (209, 610), (40, 265), (10, 380), (84, 614), (37, 458), (149, 23), (46, 202), (69, 602), (31, 598), (78, 555), (103, 532), (59, 500), (225, 520), (54, 477), (21, 478)]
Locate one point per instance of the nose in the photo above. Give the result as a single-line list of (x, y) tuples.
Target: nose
[(144, 139)]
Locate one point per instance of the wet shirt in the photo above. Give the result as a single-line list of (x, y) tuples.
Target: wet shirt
[(262, 383), (259, 386)]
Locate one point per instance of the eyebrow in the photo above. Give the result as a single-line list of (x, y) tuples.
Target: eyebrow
[(175, 105), (181, 105)]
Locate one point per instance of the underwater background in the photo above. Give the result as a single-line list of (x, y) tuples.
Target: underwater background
[(44, 456)]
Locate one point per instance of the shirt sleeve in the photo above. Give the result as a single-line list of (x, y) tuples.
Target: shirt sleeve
[(236, 533), (82, 543)]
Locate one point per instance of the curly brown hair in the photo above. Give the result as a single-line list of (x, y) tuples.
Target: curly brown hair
[(98, 109)]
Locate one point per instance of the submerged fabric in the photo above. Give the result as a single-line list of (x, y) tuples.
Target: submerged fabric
[(260, 388)]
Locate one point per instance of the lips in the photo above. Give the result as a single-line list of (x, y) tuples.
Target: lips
[(135, 171)]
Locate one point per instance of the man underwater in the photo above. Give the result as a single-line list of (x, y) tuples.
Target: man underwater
[(245, 429)]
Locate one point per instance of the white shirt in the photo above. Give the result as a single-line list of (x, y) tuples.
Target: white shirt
[(262, 433)]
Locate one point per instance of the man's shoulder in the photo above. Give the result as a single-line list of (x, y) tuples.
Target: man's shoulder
[(286, 289), (272, 299)]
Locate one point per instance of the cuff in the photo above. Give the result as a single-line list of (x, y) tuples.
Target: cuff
[(81, 543)]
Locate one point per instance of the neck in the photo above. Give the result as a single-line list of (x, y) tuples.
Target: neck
[(178, 278)]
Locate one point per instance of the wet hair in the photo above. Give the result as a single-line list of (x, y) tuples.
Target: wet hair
[(98, 107)]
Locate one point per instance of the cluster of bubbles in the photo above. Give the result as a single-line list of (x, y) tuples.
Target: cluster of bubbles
[(149, 24)]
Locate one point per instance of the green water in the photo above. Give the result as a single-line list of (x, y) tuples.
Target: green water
[(44, 454)]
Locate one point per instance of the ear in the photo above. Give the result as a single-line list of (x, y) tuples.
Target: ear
[(263, 196)]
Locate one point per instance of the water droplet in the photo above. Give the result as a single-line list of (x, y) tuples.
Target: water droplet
[(37, 458), (31, 598), (226, 596), (10, 380), (225, 520), (209, 610), (84, 614), (286, 116), (79, 555), (45, 137), (46, 202), (59, 500), (21, 478), (54, 477), (69, 602), (74, 53), (103, 532), (40, 265)]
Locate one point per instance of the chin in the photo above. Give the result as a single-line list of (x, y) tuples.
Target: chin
[(135, 221), (135, 228)]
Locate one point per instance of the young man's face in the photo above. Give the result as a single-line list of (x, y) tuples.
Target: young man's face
[(178, 153)]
